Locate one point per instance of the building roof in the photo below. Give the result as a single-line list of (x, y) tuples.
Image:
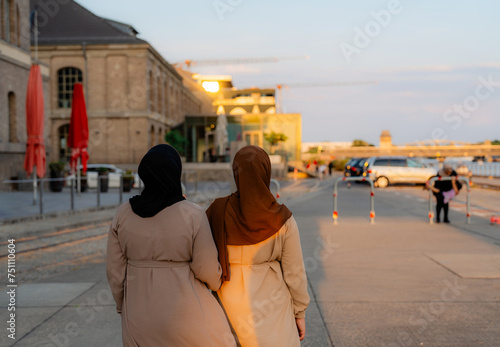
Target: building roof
[(70, 23)]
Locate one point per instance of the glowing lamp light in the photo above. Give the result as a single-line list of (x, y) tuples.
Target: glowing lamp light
[(211, 86), (372, 214), (335, 215)]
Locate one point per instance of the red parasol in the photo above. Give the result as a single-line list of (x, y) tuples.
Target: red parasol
[(78, 136), (35, 121)]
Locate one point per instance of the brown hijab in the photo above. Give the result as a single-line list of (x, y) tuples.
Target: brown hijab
[(250, 215)]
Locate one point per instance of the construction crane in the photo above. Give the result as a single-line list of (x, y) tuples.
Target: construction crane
[(280, 87), (235, 61)]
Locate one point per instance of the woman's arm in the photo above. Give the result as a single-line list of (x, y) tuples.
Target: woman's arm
[(294, 272), (454, 184), (116, 267), (434, 189), (205, 263)]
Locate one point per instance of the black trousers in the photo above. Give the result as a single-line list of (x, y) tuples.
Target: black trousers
[(440, 205)]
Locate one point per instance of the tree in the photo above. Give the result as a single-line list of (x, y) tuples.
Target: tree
[(360, 143), (175, 139), (274, 138)]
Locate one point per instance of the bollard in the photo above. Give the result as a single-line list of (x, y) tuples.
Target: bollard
[(348, 179), (41, 196), (72, 195), (495, 220), (98, 191), (278, 187), (121, 188)]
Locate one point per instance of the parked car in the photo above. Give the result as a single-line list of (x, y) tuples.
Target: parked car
[(389, 170), (348, 165), (354, 167), (114, 175)]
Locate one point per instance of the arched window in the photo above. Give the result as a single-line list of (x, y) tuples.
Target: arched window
[(152, 136), (160, 136), (66, 78), (151, 91), (12, 118), (12, 21), (2, 19), (6, 20), (158, 95), (17, 35), (165, 97)]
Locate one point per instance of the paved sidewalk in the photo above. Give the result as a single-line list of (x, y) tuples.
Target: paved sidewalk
[(399, 282), (492, 183)]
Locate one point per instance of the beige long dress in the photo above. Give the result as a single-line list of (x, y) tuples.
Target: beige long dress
[(158, 270), (267, 290)]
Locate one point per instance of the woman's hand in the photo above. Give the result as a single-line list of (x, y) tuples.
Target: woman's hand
[(301, 327)]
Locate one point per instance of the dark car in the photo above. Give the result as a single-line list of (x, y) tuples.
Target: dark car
[(354, 167)]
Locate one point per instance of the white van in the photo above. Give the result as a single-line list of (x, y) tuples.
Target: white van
[(389, 170)]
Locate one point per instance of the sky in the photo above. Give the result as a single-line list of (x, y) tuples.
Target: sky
[(436, 63)]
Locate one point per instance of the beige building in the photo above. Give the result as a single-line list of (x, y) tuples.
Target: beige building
[(250, 115), (133, 95), (15, 62)]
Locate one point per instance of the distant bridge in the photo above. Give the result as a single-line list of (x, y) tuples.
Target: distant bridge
[(420, 149)]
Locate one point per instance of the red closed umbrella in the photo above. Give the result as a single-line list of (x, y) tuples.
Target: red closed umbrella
[(78, 136), (35, 121)]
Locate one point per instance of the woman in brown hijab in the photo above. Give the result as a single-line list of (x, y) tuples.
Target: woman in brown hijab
[(161, 262), (264, 291)]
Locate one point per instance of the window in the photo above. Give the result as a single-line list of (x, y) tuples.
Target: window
[(381, 162), (158, 95), (398, 162), (165, 98), (12, 118), (66, 78), (152, 136), (11, 24), (6, 20), (17, 34), (151, 91), (2, 19), (413, 163)]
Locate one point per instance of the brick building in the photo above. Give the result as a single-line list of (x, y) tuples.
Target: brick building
[(15, 62), (133, 95)]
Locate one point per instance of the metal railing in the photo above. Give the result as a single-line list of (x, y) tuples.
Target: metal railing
[(39, 183), (483, 169), (349, 179), (278, 187), (431, 204)]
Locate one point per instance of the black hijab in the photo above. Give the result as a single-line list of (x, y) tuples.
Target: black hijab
[(160, 171)]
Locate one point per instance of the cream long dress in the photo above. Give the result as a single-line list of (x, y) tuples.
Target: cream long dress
[(267, 290), (157, 268)]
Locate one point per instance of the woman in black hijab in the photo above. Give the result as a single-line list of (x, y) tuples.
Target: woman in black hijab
[(160, 171), (162, 261)]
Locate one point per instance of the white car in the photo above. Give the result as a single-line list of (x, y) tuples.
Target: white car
[(114, 175), (388, 170)]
